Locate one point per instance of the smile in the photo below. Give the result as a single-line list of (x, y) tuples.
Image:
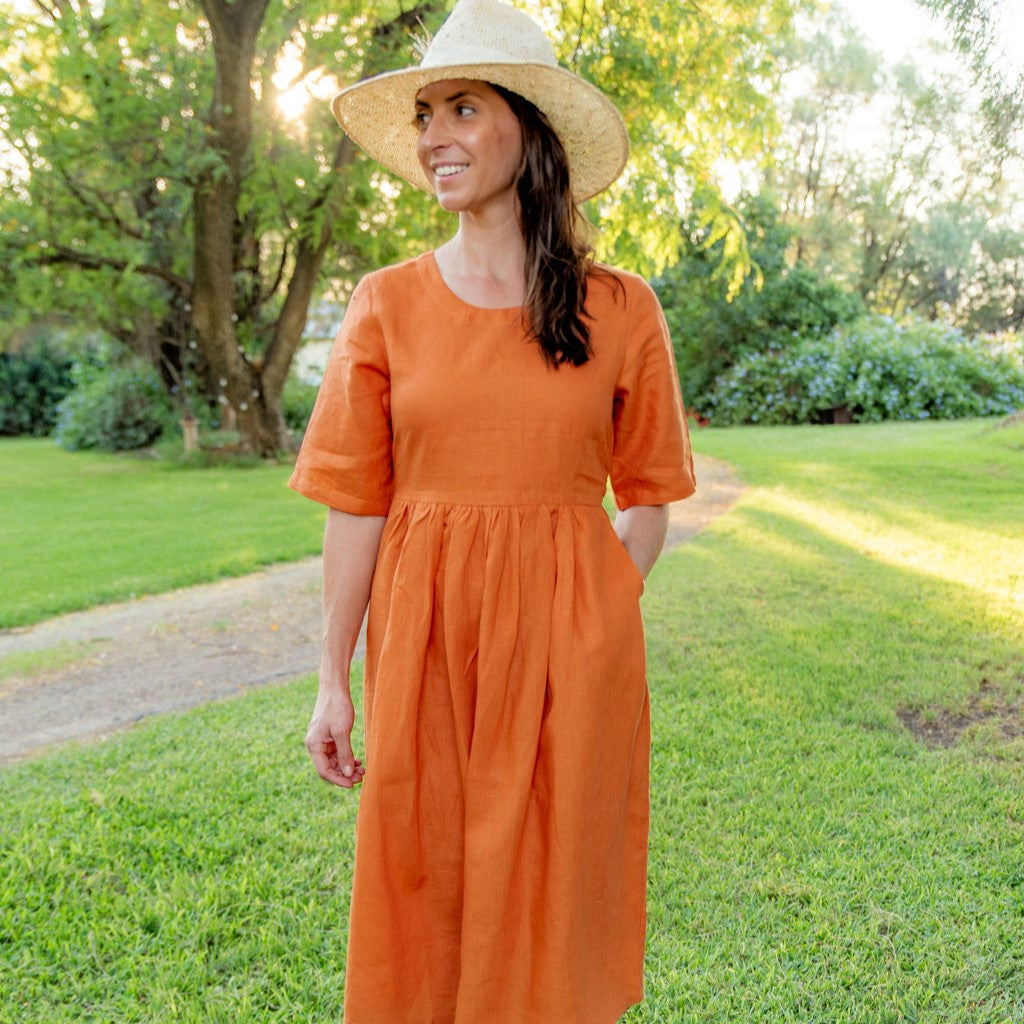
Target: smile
[(447, 170)]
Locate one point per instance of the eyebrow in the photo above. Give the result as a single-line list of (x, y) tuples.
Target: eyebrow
[(450, 99)]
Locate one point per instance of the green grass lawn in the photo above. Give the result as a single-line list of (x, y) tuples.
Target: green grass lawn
[(78, 530), (813, 859)]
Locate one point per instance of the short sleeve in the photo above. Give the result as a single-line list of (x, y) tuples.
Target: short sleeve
[(345, 460), (652, 463)]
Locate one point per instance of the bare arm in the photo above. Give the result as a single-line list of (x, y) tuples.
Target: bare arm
[(642, 530), (350, 556)]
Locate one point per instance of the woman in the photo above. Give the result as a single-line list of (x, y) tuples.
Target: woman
[(476, 402)]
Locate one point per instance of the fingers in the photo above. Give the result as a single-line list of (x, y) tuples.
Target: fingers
[(349, 766), (332, 756), (337, 771)]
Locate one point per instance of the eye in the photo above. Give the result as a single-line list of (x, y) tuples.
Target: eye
[(420, 119), (465, 109)]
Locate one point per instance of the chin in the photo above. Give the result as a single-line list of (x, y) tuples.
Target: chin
[(449, 203)]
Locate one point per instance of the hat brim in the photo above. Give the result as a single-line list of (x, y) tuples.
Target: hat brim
[(377, 114)]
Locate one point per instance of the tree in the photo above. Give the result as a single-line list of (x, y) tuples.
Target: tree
[(976, 27), (164, 196), (712, 329), (697, 82), (154, 187), (979, 32), (890, 180)]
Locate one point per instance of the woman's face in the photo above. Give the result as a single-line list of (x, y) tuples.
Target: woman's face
[(470, 145)]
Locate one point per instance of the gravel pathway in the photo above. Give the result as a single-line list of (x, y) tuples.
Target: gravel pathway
[(103, 669)]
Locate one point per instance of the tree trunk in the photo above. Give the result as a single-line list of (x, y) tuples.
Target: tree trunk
[(308, 261), (234, 28), (251, 387)]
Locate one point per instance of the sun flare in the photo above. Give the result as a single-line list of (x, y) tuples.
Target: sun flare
[(293, 102), (296, 87)]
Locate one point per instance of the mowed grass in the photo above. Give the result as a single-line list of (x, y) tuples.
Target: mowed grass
[(82, 529), (812, 859)]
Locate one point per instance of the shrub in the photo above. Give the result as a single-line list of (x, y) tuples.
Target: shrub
[(32, 385), (712, 330), (115, 408), (297, 401), (877, 369)]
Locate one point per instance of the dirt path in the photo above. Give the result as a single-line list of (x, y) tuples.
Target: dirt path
[(87, 674)]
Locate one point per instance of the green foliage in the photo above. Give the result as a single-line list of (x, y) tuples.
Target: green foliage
[(297, 402), (712, 328), (112, 133), (878, 369), (894, 184), (979, 28), (108, 117), (696, 83), (115, 408), (32, 384)]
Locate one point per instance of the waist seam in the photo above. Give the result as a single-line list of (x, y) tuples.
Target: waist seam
[(446, 503)]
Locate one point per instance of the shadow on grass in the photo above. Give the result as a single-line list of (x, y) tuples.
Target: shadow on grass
[(811, 860)]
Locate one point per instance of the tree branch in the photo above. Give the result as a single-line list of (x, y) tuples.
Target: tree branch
[(309, 256), (215, 11), (344, 153), (102, 208), (52, 13), (574, 59), (92, 261), (279, 276)]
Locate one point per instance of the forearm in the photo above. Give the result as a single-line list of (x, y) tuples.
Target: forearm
[(642, 530), (350, 556)]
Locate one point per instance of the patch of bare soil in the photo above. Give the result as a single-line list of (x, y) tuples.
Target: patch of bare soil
[(101, 670), (120, 663), (944, 727), (718, 489)]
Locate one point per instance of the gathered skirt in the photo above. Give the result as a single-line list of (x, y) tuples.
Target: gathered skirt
[(501, 842)]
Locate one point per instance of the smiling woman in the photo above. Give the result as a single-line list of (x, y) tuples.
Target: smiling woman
[(476, 402)]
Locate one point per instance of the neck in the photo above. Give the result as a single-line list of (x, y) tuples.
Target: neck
[(485, 261), (490, 246)]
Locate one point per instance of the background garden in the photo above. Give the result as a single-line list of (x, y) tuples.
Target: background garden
[(833, 235), (837, 665)]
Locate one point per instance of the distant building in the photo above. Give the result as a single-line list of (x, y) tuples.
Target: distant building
[(322, 327)]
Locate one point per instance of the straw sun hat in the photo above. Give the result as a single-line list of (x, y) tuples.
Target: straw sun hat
[(490, 41)]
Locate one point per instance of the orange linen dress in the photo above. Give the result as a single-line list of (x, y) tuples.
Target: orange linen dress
[(501, 843)]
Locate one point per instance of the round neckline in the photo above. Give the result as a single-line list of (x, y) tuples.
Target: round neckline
[(435, 271)]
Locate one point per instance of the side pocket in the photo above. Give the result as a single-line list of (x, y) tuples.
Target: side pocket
[(629, 566)]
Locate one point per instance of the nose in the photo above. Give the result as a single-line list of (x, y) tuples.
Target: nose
[(429, 142), (433, 134)]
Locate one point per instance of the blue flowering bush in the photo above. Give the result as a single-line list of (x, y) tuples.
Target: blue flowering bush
[(876, 369)]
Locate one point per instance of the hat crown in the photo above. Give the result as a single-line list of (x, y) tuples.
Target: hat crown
[(488, 31)]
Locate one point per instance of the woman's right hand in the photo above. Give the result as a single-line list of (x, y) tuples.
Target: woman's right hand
[(350, 558), (329, 741)]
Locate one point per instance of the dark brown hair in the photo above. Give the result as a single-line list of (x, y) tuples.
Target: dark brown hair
[(558, 256)]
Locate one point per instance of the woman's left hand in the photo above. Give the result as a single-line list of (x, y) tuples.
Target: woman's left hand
[(642, 530)]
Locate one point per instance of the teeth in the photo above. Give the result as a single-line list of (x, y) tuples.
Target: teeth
[(447, 170)]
